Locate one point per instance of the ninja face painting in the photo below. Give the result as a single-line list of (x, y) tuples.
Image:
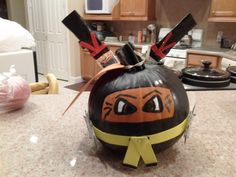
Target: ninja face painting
[(143, 104), (137, 103)]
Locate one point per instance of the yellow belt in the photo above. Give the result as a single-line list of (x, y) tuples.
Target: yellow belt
[(141, 146)]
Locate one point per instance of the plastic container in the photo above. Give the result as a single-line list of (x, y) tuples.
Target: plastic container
[(14, 91), (131, 38), (139, 37)]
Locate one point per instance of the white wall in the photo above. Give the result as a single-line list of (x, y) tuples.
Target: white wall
[(77, 5), (16, 11)]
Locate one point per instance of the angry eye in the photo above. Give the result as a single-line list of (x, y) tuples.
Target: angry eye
[(153, 105), (123, 107)]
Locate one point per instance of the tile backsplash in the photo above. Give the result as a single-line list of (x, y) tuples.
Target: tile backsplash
[(124, 28)]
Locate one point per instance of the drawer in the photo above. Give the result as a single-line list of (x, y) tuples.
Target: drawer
[(113, 48), (196, 60)]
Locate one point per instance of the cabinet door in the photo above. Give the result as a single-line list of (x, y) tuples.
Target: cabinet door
[(126, 7), (133, 8), (87, 65), (114, 48), (97, 68), (140, 7), (223, 8)]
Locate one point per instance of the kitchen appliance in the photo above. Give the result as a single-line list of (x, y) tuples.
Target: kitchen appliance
[(230, 86), (99, 6), (227, 84), (227, 42), (205, 76), (232, 71)]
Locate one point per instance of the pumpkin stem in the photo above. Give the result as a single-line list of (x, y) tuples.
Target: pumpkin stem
[(127, 55)]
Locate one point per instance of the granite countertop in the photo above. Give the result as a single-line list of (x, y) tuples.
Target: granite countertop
[(37, 141)]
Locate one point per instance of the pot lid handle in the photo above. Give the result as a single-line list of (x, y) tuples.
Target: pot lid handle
[(206, 64)]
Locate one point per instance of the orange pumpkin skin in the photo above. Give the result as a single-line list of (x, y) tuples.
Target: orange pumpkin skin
[(138, 102)]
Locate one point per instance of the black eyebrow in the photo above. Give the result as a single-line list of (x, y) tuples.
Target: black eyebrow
[(156, 91), (108, 104), (126, 96)]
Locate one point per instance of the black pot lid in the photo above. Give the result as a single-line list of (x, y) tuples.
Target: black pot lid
[(205, 73), (232, 70)]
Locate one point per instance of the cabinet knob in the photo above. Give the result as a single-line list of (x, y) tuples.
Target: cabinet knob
[(131, 13)]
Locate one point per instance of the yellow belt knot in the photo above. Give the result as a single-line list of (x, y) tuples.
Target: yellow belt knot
[(139, 147)]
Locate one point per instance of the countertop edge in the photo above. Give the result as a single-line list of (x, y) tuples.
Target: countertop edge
[(224, 53), (123, 43)]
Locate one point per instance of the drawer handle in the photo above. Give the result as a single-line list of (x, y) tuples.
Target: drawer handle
[(223, 13), (131, 13), (206, 64)]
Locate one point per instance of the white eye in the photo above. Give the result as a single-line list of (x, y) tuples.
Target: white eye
[(156, 103), (123, 107), (120, 106), (153, 105)]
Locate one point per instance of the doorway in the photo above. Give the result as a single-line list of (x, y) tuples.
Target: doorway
[(3, 9), (44, 19)]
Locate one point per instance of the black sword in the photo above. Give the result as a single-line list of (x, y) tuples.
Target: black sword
[(88, 40), (161, 49)]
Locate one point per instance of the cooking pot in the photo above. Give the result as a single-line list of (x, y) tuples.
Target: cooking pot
[(232, 71), (205, 76)]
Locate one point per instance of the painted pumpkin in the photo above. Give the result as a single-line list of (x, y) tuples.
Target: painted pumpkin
[(142, 101), (134, 107)]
